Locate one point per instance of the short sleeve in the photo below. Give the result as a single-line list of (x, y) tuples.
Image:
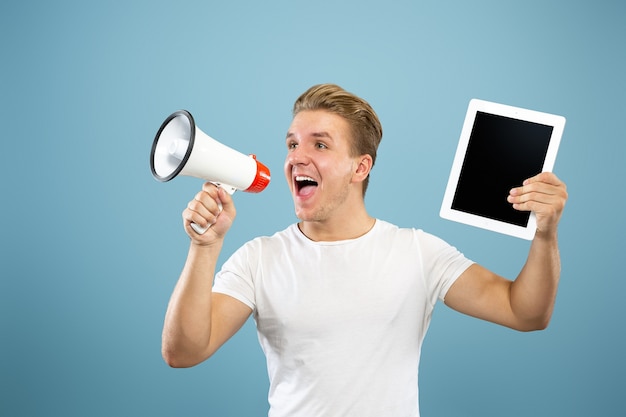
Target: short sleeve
[(443, 264), (235, 277)]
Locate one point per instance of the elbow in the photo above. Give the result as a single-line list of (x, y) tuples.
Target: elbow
[(177, 362), (172, 362), (538, 324), (172, 359), (532, 328), (169, 353), (177, 358), (542, 325)]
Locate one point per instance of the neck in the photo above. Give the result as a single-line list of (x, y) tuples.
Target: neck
[(330, 230)]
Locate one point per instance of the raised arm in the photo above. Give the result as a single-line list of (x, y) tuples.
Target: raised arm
[(197, 321), (527, 302)]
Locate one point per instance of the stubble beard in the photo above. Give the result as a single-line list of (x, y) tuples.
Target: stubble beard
[(325, 210)]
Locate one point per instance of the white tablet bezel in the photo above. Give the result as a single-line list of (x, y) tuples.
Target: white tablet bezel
[(475, 106)]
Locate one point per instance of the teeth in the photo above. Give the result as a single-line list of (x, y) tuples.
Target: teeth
[(303, 178)]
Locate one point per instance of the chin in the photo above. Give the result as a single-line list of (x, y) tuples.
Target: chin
[(306, 215)]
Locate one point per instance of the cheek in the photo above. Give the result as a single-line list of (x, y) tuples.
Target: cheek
[(287, 171), (340, 169)]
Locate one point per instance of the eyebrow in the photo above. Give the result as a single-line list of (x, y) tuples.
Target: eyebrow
[(321, 134)]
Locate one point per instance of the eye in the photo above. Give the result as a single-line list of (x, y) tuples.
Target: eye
[(320, 145), (292, 145)]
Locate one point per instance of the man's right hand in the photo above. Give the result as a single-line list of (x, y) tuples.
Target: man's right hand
[(213, 207)]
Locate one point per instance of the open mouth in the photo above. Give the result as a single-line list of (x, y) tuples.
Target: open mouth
[(305, 185)]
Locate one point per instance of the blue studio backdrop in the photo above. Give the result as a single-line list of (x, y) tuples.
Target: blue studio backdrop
[(92, 245)]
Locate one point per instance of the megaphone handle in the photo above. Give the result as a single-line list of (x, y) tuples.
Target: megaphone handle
[(199, 230), (202, 230)]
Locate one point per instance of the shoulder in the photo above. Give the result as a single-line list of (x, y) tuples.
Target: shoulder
[(276, 242), (412, 239), (390, 230)]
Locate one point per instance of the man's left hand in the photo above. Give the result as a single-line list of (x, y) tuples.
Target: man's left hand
[(543, 194)]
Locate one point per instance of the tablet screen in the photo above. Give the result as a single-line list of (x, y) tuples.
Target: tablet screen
[(501, 153)]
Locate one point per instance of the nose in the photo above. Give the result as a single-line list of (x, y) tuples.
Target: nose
[(297, 156)]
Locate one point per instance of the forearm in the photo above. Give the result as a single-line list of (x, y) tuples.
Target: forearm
[(533, 293), (187, 327)]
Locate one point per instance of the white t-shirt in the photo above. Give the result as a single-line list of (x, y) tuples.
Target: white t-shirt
[(342, 323)]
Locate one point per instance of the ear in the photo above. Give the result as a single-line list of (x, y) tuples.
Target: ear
[(362, 168)]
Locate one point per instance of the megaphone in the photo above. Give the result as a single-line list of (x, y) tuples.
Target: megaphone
[(181, 148)]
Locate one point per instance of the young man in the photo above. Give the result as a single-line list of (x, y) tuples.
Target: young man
[(342, 301)]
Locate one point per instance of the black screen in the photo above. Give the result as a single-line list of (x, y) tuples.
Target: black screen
[(502, 152)]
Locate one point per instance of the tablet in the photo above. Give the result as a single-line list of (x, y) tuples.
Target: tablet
[(500, 146)]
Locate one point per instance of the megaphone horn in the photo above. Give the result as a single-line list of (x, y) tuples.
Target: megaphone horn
[(181, 148)]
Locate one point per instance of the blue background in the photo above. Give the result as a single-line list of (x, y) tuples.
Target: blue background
[(92, 245)]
